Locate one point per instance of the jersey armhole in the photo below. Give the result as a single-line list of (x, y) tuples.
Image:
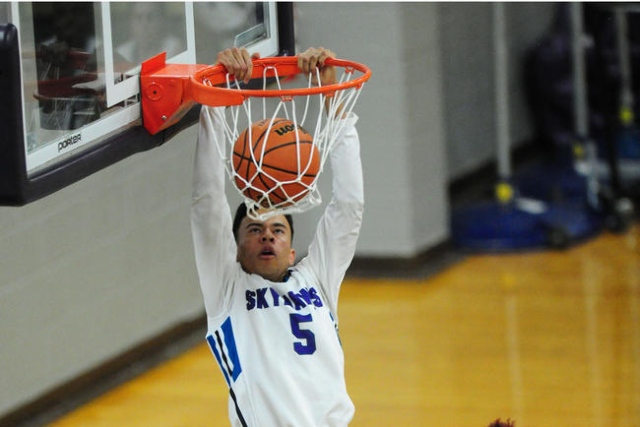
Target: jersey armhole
[(308, 273)]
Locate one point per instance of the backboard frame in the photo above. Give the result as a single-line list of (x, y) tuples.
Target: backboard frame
[(18, 187)]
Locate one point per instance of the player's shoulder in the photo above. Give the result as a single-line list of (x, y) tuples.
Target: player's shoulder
[(303, 269)]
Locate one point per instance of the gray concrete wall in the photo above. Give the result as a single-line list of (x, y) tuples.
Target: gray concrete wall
[(94, 269), (466, 42), (401, 118)]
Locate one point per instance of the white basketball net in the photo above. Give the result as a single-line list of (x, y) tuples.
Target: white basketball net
[(328, 125)]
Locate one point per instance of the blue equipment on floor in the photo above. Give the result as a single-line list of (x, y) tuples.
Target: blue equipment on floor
[(512, 221), (523, 223)]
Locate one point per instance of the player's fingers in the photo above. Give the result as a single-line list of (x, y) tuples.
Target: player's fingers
[(305, 60), (312, 63), (223, 59), (327, 73), (247, 61), (324, 54), (302, 60), (321, 57), (227, 59), (239, 63)]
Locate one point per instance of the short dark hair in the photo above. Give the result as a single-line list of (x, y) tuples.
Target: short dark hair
[(241, 212)]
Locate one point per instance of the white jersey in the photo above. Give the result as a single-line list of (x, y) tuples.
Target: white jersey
[(277, 344)]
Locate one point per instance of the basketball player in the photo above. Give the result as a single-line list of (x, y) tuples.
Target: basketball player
[(272, 324)]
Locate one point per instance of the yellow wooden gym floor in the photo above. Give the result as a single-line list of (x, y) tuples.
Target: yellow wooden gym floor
[(546, 339)]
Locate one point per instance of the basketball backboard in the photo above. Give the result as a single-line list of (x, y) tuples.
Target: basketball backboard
[(70, 72)]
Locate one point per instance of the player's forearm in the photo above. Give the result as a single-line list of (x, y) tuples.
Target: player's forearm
[(331, 108), (334, 243), (348, 187), (341, 222), (210, 215), (208, 178)]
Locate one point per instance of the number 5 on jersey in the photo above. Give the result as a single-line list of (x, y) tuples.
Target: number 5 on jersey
[(309, 345)]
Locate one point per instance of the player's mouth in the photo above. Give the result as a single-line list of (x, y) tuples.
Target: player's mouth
[(267, 254)]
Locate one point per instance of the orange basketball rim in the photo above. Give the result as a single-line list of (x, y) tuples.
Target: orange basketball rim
[(170, 90)]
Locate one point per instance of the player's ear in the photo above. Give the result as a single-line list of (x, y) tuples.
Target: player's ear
[(292, 257)]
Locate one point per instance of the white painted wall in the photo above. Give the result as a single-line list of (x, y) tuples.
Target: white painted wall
[(466, 42), (401, 124), (94, 269)]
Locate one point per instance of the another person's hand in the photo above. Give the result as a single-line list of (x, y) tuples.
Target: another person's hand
[(238, 63), (314, 58)]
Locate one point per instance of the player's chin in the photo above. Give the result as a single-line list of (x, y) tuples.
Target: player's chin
[(272, 274)]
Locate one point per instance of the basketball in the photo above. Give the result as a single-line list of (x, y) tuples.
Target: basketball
[(269, 165)]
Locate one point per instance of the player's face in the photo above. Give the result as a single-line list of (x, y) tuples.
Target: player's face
[(264, 247)]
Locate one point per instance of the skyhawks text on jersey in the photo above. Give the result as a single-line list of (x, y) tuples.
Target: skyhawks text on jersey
[(262, 298)]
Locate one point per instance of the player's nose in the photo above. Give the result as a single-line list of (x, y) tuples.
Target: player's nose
[(267, 236)]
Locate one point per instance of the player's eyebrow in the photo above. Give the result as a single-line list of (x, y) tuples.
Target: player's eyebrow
[(261, 225)]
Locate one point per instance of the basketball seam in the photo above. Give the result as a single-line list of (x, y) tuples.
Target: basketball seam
[(266, 165), (262, 135), (244, 148), (243, 157), (255, 146), (306, 175), (285, 144)]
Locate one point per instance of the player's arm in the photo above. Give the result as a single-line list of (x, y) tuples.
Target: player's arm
[(312, 61), (334, 243), (211, 222)]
